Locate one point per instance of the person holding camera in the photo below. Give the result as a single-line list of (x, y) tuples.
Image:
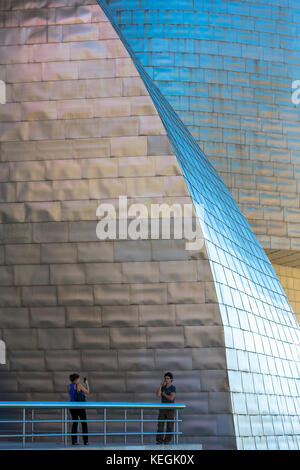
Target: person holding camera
[(77, 393), (166, 392)]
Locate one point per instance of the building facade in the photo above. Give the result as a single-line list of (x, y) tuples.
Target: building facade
[(83, 124)]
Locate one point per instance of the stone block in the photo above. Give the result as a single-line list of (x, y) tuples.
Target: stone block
[(97, 273), (214, 380), (83, 231), (145, 187), (198, 314), (131, 360), (97, 68), (99, 168), (204, 271), (140, 272), (34, 191), (91, 147), (28, 275), (112, 294), (143, 382), (10, 296), (9, 384), (63, 360), (12, 212), (104, 88), (111, 107), (209, 358), (8, 191), (173, 359), (24, 73), (131, 146), (63, 169), (149, 294), (108, 381), (210, 293), (16, 233), (169, 250), (71, 189), (20, 338), (58, 252), (67, 274), (58, 70), (204, 336), (142, 106), (80, 32), (173, 271), (55, 338), (136, 166), (35, 382), (14, 317), (26, 360), (157, 315), (159, 145), (25, 171), (186, 292), (39, 296), (128, 338), (151, 125), (120, 315), (106, 188), (75, 295), (92, 338), (78, 317), (134, 86), (47, 317), (129, 250), (165, 337), (6, 275), (95, 251), (219, 402), (99, 359), (42, 211), (50, 232), (200, 425)]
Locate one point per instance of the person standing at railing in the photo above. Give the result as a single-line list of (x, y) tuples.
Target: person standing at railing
[(77, 393), (166, 392)]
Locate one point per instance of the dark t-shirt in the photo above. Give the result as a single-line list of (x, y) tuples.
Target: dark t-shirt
[(168, 391)]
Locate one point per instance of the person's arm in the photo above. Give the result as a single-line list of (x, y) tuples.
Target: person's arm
[(159, 392), (68, 391), (86, 389), (168, 397)]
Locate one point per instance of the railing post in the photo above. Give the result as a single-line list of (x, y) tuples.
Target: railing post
[(66, 426), (142, 426), (104, 425), (32, 425), (177, 426), (62, 426), (125, 426), (24, 428)]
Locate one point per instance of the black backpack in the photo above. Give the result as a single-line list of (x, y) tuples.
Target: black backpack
[(79, 395)]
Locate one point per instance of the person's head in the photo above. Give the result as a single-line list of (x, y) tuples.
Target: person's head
[(168, 377), (74, 378)]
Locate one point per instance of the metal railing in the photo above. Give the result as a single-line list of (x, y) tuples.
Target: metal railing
[(28, 420)]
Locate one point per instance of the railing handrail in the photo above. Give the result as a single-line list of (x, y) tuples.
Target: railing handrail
[(68, 404)]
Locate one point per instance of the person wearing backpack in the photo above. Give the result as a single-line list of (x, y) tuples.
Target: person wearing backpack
[(77, 393)]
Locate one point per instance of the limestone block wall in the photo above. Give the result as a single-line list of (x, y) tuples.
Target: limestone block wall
[(79, 128), (290, 281)]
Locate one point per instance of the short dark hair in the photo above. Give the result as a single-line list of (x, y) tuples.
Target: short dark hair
[(74, 377), (169, 374)]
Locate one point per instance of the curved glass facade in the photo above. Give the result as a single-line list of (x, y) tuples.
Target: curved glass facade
[(227, 68), (260, 329)]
